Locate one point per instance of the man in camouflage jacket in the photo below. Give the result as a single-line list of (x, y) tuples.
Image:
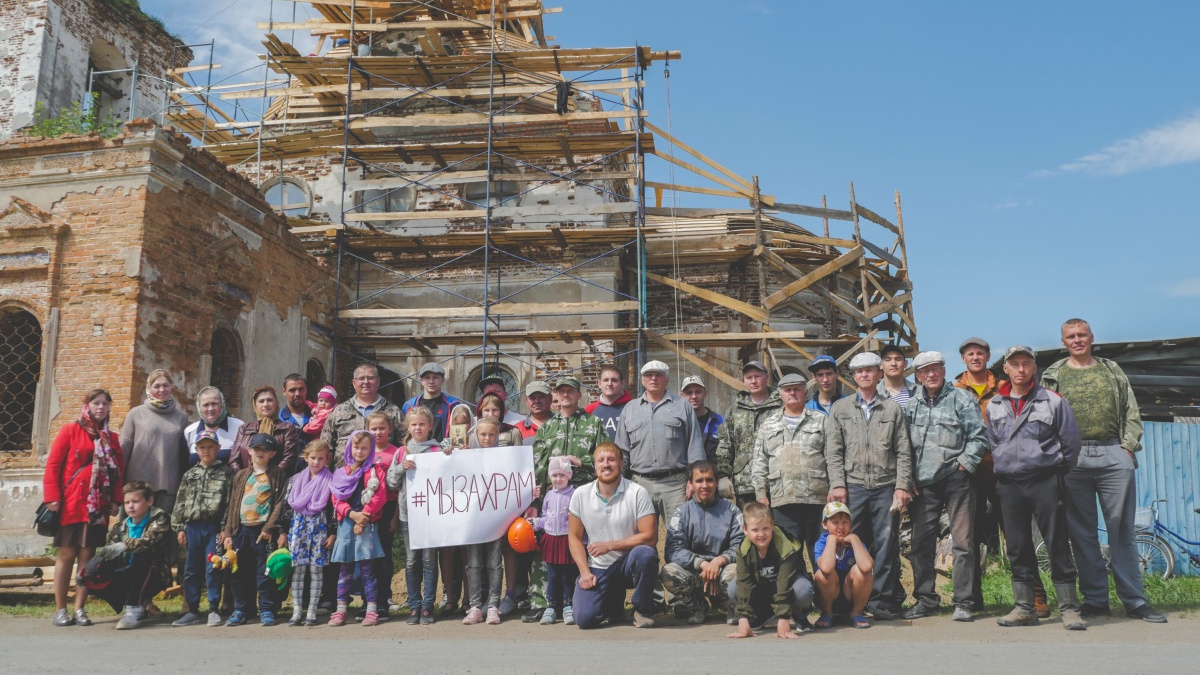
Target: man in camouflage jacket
[(789, 468), (736, 437)]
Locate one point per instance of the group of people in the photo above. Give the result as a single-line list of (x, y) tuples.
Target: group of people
[(790, 472)]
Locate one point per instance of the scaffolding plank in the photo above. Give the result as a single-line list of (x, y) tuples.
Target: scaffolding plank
[(476, 119), (498, 309), (499, 212)]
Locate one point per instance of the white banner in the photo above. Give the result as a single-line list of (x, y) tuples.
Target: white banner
[(469, 496)]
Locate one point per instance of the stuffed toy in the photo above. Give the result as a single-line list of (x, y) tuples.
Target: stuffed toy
[(226, 561), (279, 566)]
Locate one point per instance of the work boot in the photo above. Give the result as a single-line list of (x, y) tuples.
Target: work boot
[(1022, 613), (1068, 607), (699, 613), (1039, 600)]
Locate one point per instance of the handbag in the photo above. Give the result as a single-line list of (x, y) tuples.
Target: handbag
[(45, 521)]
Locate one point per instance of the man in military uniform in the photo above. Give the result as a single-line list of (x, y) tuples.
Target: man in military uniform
[(736, 436)]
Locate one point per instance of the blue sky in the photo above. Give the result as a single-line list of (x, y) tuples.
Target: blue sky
[(1048, 154)]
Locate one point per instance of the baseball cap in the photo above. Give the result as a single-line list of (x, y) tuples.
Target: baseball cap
[(890, 347), (755, 364), (491, 379), (537, 388), (833, 508), (978, 341), (822, 361), (928, 359), (264, 440), (1019, 349), (435, 368), (690, 380), (791, 380), (865, 360), (568, 381), (656, 367), (207, 435)]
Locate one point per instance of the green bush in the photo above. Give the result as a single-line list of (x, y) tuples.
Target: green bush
[(73, 120)]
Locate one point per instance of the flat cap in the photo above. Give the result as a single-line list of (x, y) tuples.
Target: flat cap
[(656, 367), (431, 367), (928, 359), (977, 341), (791, 380), (865, 360)]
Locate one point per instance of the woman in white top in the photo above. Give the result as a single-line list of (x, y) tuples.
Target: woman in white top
[(214, 416)]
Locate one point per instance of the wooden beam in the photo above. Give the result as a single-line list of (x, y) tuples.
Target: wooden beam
[(734, 337), (707, 160), (502, 308), (192, 69), (700, 363), (857, 346), (721, 299), (842, 304), (800, 210), (883, 254), (499, 212), (745, 192), (696, 190), (831, 267), (472, 119), (875, 218)]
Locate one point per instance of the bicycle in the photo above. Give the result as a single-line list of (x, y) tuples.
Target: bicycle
[(1155, 555)]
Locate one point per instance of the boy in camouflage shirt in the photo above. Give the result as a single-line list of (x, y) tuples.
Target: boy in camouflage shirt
[(199, 513)]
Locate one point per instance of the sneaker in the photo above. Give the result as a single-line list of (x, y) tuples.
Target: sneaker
[(371, 619), (237, 618), (641, 620), (310, 619), (1144, 612), (882, 614), (266, 618), (508, 605), (548, 617), (214, 619), (427, 617), (131, 619), (473, 617), (918, 611), (414, 617), (534, 615), (62, 619), (493, 616), (337, 618), (963, 614), (296, 620), (698, 614), (568, 616), (81, 618), (189, 619), (382, 614)]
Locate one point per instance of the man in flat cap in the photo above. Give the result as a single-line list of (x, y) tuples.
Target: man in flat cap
[(948, 438), (870, 468)]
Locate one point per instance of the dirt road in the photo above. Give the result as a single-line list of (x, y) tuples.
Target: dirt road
[(933, 645)]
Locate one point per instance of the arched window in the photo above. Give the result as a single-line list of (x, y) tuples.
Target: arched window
[(391, 385), (289, 196), (226, 373), (20, 369), (511, 386), (314, 378)]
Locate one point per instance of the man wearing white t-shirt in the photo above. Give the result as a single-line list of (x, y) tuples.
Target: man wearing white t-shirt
[(616, 518)]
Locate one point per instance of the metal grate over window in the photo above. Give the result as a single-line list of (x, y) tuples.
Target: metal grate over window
[(20, 369)]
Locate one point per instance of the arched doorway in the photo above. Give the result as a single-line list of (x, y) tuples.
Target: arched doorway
[(20, 370), (391, 385), (314, 378), (226, 373), (511, 386)]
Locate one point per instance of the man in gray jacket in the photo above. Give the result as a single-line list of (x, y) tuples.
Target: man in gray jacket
[(702, 542), (1035, 442), (948, 438), (870, 469)]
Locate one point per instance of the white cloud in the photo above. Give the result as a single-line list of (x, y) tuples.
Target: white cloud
[(1177, 142), (1185, 288)]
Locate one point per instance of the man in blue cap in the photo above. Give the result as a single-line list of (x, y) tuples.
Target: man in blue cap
[(825, 375)]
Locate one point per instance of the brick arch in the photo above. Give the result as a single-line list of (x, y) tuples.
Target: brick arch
[(228, 366), (20, 371)]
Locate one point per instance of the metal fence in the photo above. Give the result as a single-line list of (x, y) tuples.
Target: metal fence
[(1169, 468)]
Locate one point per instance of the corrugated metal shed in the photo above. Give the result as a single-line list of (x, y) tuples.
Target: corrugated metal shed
[(1169, 468)]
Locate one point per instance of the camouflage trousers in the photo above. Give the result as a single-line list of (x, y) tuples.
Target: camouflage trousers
[(686, 588), (537, 583)]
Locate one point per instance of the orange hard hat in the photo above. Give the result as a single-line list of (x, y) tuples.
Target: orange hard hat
[(521, 536)]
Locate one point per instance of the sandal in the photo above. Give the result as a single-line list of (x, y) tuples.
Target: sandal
[(825, 621), (860, 621)]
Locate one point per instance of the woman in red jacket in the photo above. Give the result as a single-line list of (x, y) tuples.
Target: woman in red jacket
[(83, 484)]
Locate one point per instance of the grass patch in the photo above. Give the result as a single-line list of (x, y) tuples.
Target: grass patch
[(1176, 594), (41, 605)]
